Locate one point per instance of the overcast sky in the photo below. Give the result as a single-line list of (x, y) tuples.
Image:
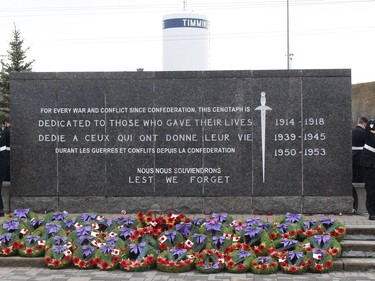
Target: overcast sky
[(123, 35)]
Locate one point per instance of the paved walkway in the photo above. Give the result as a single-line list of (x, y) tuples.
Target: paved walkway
[(33, 274)]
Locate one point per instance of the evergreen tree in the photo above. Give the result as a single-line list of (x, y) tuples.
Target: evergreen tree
[(15, 61)]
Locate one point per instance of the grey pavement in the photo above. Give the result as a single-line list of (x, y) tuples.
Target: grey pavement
[(38, 274)]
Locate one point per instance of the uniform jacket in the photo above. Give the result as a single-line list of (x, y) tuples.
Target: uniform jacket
[(5, 148), (368, 153)]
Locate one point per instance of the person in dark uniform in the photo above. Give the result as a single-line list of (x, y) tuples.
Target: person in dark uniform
[(358, 141), (4, 158), (368, 164)]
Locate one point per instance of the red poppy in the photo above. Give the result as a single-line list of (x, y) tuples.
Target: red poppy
[(241, 266), (293, 268), (91, 262), (67, 258), (21, 246), (82, 264), (163, 247), (319, 267), (7, 251), (273, 264), (200, 263), (246, 247), (29, 251), (328, 264), (56, 263), (76, 260), (115, 259), (40, 247), (341, 229), (105, 265), (47, 259), (264, 266), (273, 236), (231, 264)]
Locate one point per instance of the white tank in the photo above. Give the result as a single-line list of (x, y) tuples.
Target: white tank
[(185, 42)]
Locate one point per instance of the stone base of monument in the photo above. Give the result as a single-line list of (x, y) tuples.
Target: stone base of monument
[(5, 193), (360, 198), (191, 205)]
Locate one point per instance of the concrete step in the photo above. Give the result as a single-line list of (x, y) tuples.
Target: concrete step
[(358, 249), (340, 264), (360, 232), (354, 264)]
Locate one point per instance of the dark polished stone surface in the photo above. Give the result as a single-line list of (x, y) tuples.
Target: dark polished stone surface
[(100, 140)]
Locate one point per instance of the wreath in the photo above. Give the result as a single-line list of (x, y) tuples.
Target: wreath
[(334, 228), (8, 244), (23, 214), (323, 242), (238, 259), (310, 228), (264, 265), (175, 260), (128, 222), (320, 261), (59, 255), (108, 254), (256, 237), (84, 257), (87, 218), (138, 257), (32, 246), (293, 262), (210, 261), (170, 239)]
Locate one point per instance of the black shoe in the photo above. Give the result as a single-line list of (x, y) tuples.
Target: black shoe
[(371, 218)]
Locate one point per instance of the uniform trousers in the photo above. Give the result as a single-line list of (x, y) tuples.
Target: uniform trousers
[(369, 175)]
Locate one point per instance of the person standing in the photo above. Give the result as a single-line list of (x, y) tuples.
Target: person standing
[(368, 164), (4, 158), (358, 141)]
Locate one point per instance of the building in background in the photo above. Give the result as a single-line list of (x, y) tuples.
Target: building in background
[(185, 42)]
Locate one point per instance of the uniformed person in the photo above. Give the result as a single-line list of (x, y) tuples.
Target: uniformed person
[(368, 164), (4, 158), (358, 141)]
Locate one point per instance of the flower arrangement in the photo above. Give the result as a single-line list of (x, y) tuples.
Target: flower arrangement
[(169, 239), (23, 214), (293, 262), (32, 246), (320, 261), (256, 237), (84, 257), (109, 252), (138, 257), (173, 242), (8, 244), (264, 265), (210, 261), (59, 255), (175, 260), (239, 258), (323, 242), (310, 228), (334, 227)]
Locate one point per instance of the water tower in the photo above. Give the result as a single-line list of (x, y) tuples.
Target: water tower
[(185, 42)]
